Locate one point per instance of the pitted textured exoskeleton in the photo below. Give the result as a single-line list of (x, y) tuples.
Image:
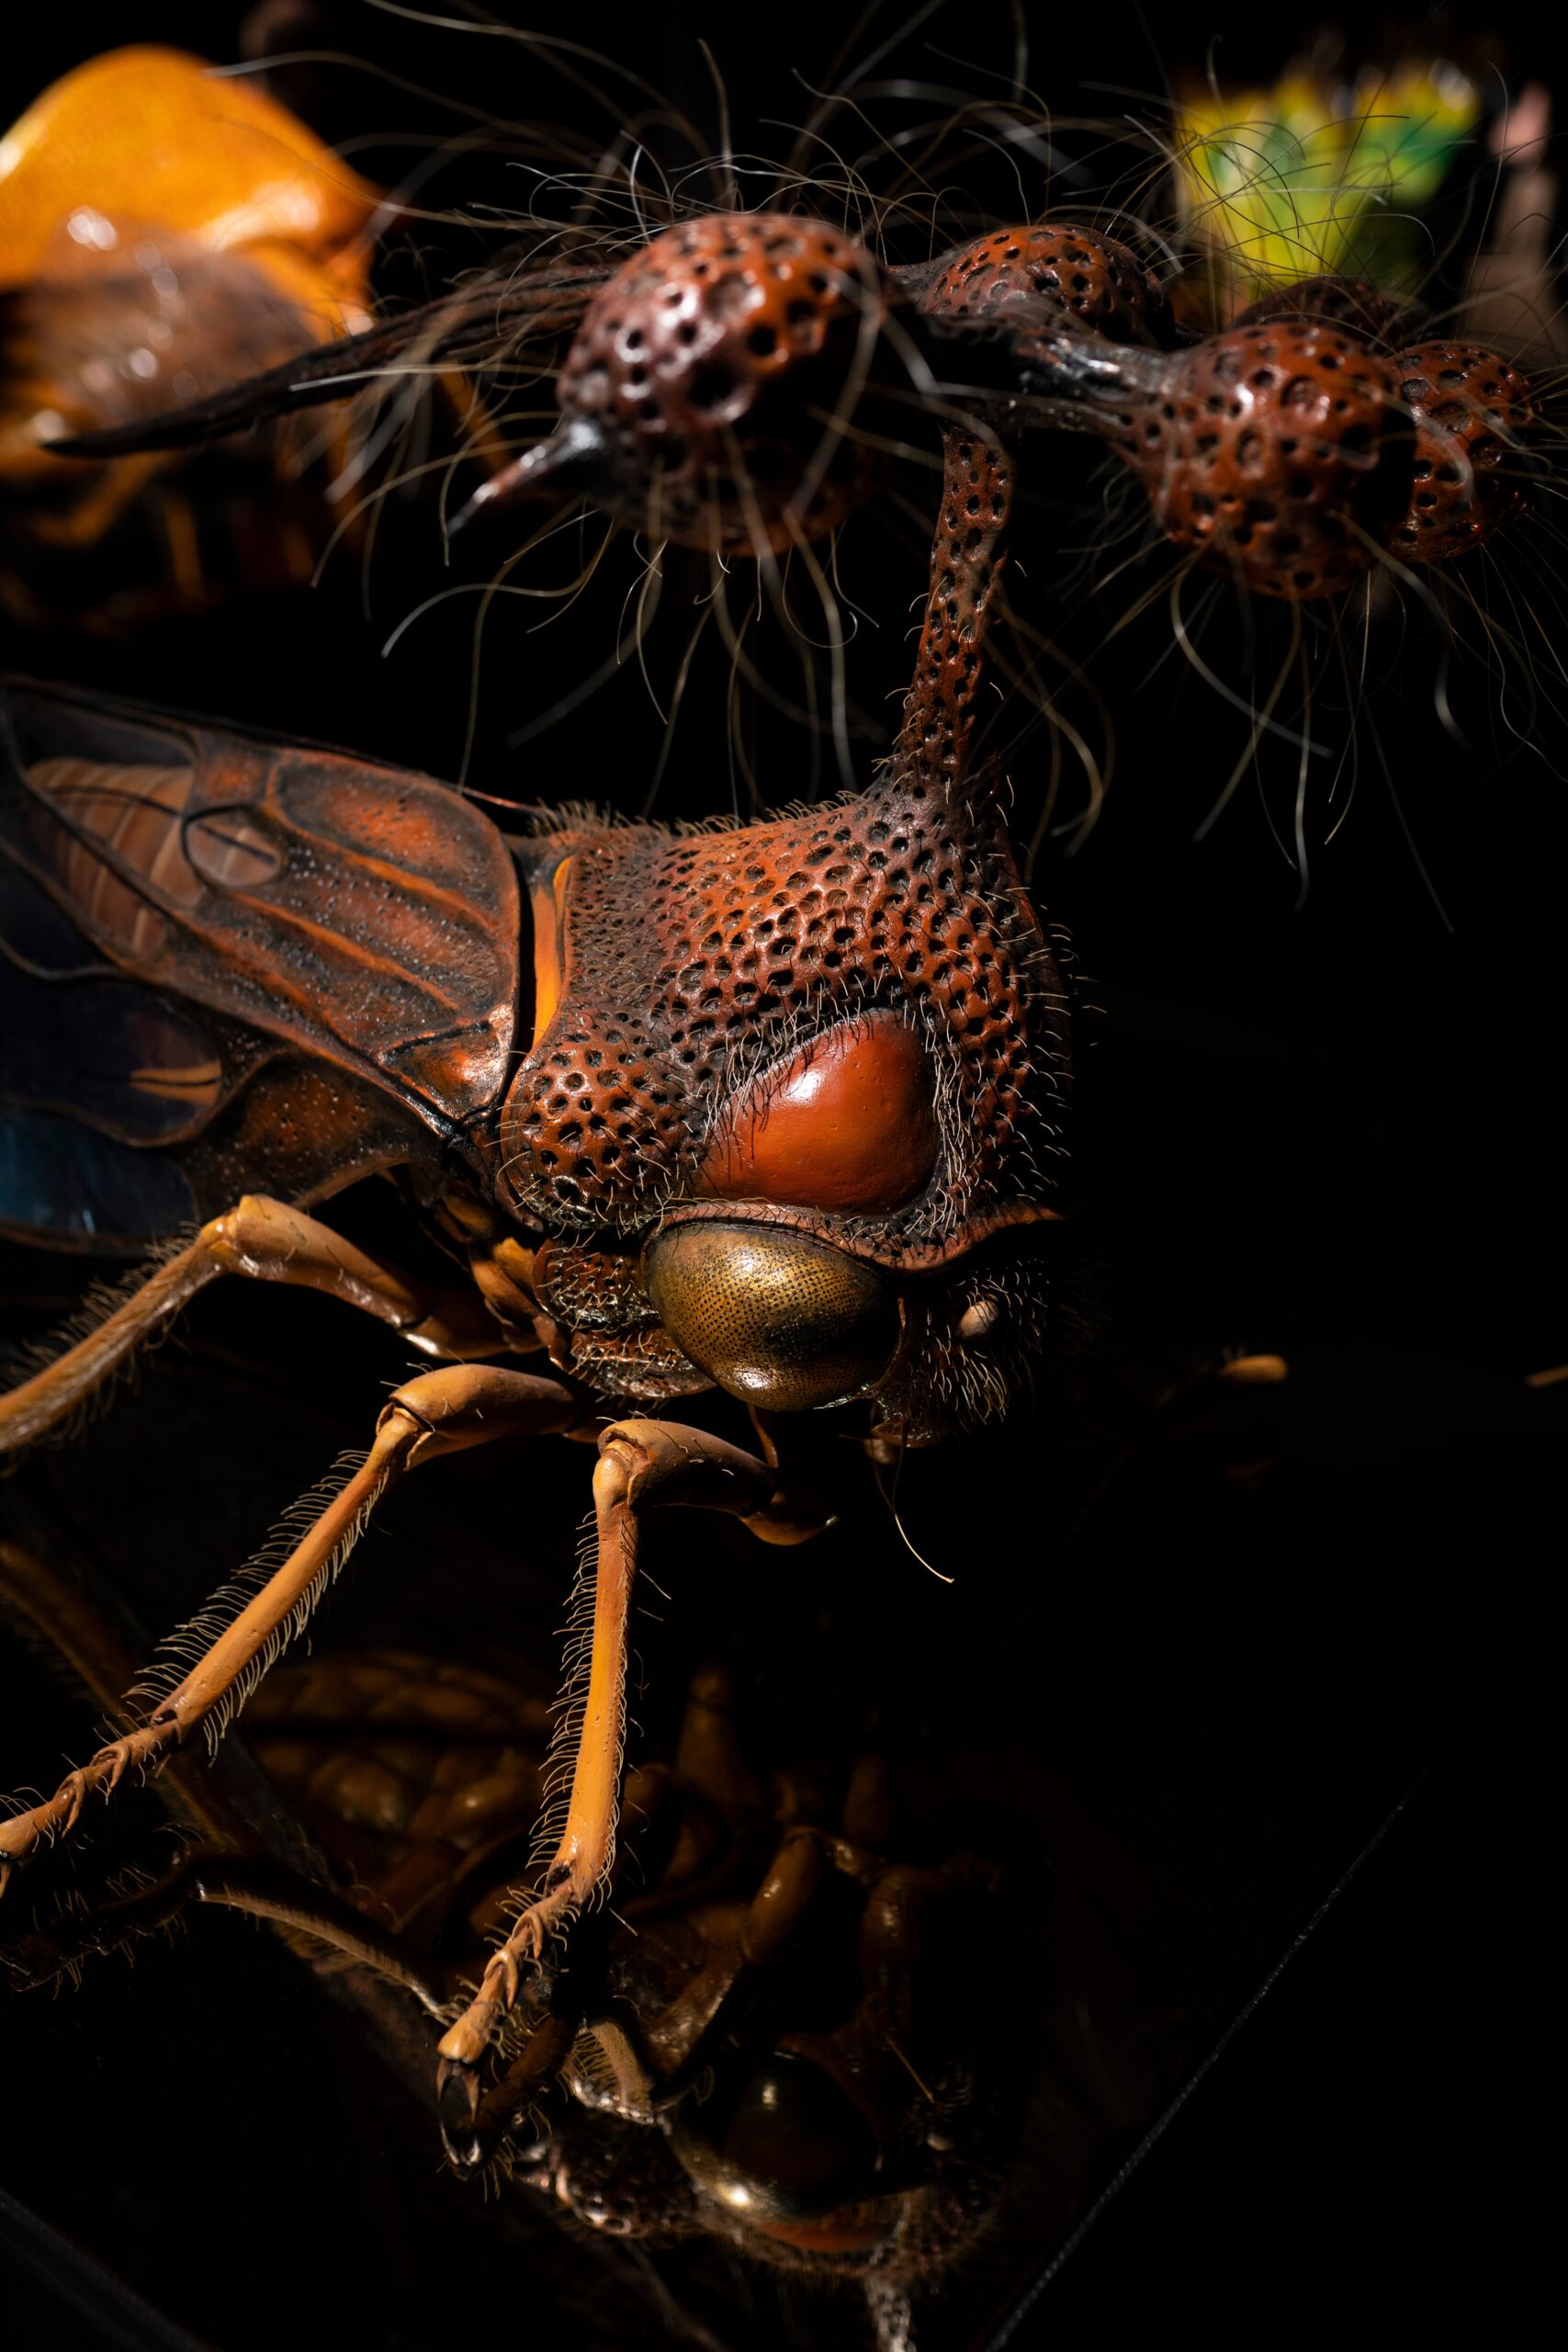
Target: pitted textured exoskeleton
[(788, 1113)]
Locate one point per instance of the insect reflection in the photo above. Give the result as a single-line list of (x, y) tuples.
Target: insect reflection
[(757, 2042)]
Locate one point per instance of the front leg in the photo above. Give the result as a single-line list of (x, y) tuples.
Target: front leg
[(261, 1240), (441, 1412), (642, 1465)]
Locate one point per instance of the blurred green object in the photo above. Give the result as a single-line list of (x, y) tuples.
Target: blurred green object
[(1314, 176)]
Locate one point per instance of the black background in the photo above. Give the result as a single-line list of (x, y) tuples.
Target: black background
[(1327, 1128)]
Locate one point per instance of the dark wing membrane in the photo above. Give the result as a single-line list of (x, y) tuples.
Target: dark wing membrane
[(230, 964)]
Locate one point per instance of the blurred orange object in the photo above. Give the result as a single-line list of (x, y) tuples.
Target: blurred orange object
[(164, 231)]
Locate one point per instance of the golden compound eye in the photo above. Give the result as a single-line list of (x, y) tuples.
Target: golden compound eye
[(775, 1317), (848, 1124)]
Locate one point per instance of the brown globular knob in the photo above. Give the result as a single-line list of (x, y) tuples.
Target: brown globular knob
[(1078, 278), (715, 370), (1332, 300), (1468, 408), (1261, 449)]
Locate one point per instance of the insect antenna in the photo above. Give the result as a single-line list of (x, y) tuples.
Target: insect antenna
[(889, 1499)]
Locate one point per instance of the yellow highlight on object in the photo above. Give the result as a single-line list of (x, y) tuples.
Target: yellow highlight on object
[(1311, 178)]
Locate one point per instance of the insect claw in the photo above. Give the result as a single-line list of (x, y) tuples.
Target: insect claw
[(457, 2107)]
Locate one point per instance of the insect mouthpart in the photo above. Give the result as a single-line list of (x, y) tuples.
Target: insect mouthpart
[(775, 1317)]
